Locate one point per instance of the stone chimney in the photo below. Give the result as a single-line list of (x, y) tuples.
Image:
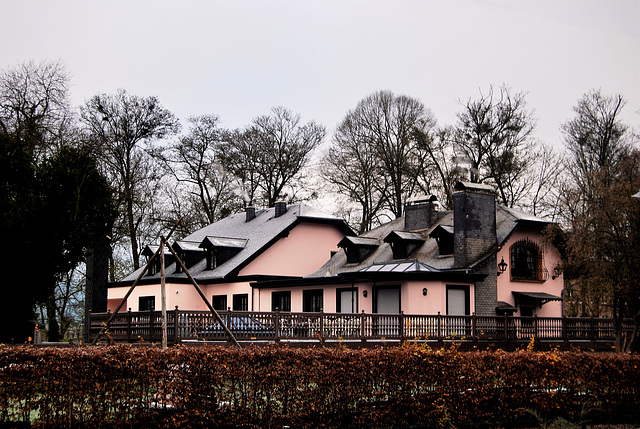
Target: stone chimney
[(420, 213), (281, 208), (251, 213), (474, 222)]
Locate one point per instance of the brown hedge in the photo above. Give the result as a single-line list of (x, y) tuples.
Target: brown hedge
[(278, 386)]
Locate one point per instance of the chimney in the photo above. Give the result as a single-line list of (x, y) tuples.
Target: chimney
[(474, 222), (419, 213), (281, 208), (251, 213)]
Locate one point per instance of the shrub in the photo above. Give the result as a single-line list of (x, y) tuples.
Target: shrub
[(277, 386)]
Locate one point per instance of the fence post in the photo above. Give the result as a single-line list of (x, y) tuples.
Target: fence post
[(321, 326), (506, 327), (362, 328), (176, 335), (439, 327), (128, 325), (402, 327), (276, 322), (474, 335)]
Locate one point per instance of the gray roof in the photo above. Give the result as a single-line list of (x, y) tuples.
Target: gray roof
[(252, 237), (507, 220)]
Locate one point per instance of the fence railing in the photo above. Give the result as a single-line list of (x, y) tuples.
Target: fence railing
[(181, 325)]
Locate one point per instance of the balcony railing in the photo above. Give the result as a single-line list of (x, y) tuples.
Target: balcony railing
[(146, 326)]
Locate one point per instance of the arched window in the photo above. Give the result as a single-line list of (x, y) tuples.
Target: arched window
[(527, 261)]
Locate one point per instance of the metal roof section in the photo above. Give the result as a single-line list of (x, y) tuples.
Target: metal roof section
[(359, 241), (188, 246), (404, 236), (537, 298), (235, 243), (400, 267), (151, 249)]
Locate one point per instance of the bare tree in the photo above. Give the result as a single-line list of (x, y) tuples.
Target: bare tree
[(351, 166), (270, 154), (595, 137), (193, 162), (127, 126), (439, 169), (34, 105), (378, 140), (493, 133)]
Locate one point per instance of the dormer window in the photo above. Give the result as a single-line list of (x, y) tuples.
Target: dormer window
[(358, 249), (154, 268), (219, 250), (189, 253), (527, 261), (443, 234), (404, 243)]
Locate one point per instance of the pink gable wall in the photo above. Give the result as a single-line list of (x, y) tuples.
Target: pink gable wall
[(551, 286), (304, 250)]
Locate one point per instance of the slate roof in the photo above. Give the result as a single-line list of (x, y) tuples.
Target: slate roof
[(252, 238)]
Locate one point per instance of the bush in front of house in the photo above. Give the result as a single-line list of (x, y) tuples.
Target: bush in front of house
[(276, 386)]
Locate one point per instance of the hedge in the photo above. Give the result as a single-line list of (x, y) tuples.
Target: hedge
[(277, 386)]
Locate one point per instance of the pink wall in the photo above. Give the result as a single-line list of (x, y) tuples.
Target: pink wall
[(551, 286), (412, 301), (304, 250)]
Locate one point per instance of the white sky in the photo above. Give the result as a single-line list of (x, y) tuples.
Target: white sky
[(239, 58)]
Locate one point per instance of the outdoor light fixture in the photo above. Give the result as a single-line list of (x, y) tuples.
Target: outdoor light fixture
[(424, 291), (502, 266), (364, 293), (557, 270)]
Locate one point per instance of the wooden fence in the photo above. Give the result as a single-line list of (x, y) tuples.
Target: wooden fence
[(146, 326)]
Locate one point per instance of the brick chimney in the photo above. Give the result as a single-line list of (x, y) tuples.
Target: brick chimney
[(420, 213), (281, 208), (251, 213), (474, 222)]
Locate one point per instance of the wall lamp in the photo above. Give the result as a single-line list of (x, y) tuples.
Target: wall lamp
[(502, 266), (364, 293), (424, 291), (557, 270)]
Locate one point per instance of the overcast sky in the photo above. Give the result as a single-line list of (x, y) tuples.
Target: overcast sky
[(319, 58)]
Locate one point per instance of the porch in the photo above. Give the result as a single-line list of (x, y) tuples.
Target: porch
[(345, 328)]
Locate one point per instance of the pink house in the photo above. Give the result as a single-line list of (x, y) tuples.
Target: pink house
[(477, 258)]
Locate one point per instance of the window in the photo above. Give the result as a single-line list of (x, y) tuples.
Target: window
[(219, 302), (281, 301), (312, 300), (147, 303), (526, 261), (347, 300), (154, 266), (241, 302)]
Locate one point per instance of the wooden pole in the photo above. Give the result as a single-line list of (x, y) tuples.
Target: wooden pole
[(204, 298), (163, 295)]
